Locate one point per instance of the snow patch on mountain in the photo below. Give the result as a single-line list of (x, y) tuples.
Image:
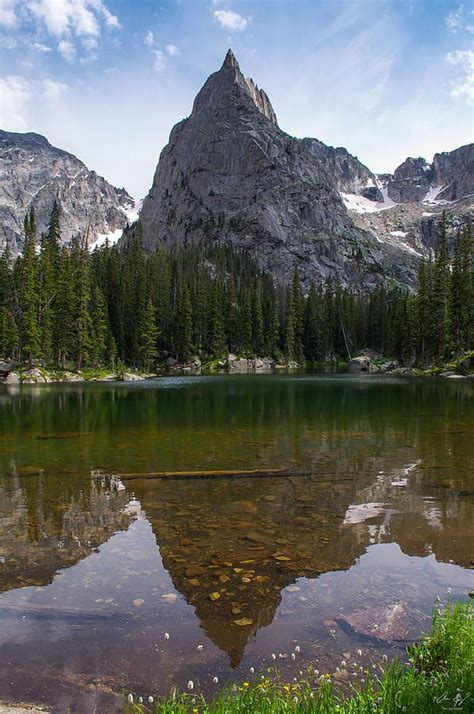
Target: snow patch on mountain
[(360, 204)]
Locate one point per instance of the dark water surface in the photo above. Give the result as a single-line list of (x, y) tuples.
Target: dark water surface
[(341, 555)]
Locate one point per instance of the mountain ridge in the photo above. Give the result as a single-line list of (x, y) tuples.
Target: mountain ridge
[(34, 174)]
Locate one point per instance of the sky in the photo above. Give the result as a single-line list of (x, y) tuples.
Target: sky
[(108, 79)]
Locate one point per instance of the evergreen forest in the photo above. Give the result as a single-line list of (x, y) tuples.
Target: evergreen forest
[(65, 306)]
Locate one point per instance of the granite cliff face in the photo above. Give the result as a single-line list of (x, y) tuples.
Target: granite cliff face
[(349, 174), (229, 173), (35, 174), (455, 171), (449, 177)]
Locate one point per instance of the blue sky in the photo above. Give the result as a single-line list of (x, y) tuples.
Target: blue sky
[(107, 79)]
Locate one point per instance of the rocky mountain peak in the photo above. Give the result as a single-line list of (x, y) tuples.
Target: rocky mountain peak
[(229, 86), (230, 60), (230, 174)]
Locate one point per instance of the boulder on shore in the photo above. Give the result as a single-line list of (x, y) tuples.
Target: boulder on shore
[(6, 367), (130, 377), (12, 378), (360, 364), (242, 364), (34, 376)]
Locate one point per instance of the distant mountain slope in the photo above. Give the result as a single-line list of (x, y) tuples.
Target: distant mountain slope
[(34, 173)]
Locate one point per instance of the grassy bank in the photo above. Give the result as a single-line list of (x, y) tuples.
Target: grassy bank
[(438, 676)]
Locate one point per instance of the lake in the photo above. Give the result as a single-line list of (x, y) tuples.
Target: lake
[(112, 581)]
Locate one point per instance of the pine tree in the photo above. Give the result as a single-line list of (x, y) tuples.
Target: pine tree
[(216, 342), (423, 310), (48, 267), (461, 291), (246, 325), (273, 346), (82, 322), (312, 331), (258, 336), (231, 315), (64, 309), (297, 312), (147, 336), (183, 324), (440, 294), (100, 328), (27, 288), (9, 337)]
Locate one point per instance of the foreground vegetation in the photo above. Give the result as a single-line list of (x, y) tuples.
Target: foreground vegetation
[(63, 306), (438, 676)]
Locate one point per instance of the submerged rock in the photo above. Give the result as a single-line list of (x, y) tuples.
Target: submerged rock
[(391, 623)]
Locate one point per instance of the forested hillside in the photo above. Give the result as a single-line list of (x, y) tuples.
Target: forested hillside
[(62, 305)]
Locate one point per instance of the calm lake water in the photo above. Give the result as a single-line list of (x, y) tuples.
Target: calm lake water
[(342, 554)]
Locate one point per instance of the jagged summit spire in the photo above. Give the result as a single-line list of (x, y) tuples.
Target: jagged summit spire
[(230, 60)]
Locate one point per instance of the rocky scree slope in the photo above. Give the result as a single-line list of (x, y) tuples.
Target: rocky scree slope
[(35, 174), (229, 173)]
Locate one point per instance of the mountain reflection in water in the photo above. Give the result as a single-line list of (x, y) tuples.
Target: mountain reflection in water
[(93, 575)]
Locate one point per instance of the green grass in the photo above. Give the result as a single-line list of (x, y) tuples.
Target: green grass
[(438, 676)]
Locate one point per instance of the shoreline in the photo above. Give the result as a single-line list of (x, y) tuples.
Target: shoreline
[(364, 364)]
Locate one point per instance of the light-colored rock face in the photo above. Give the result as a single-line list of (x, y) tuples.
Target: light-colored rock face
[(410, 182), (455, 171), (230, 174), (449, 177), (33, 174), (348, 173)]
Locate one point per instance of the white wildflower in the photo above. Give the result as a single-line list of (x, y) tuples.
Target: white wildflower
[(215, 680), (130, 698), (167, 635), (190, 685), (200, 647)]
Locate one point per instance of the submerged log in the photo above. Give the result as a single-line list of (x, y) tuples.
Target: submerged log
[(50, 612), (216, 473)]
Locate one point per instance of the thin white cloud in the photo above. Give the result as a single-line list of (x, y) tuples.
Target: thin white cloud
[(463, 85), (159, 62), (14, 95), (67, 49), (19, 97), (90, 43), (230, 20), (460, 19), (149, 39), (53, 89), (172, 50), (81, 17), (41, 47), (8, 16), (8, 43)]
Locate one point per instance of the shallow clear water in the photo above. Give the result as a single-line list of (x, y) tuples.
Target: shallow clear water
[(345, 550)]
